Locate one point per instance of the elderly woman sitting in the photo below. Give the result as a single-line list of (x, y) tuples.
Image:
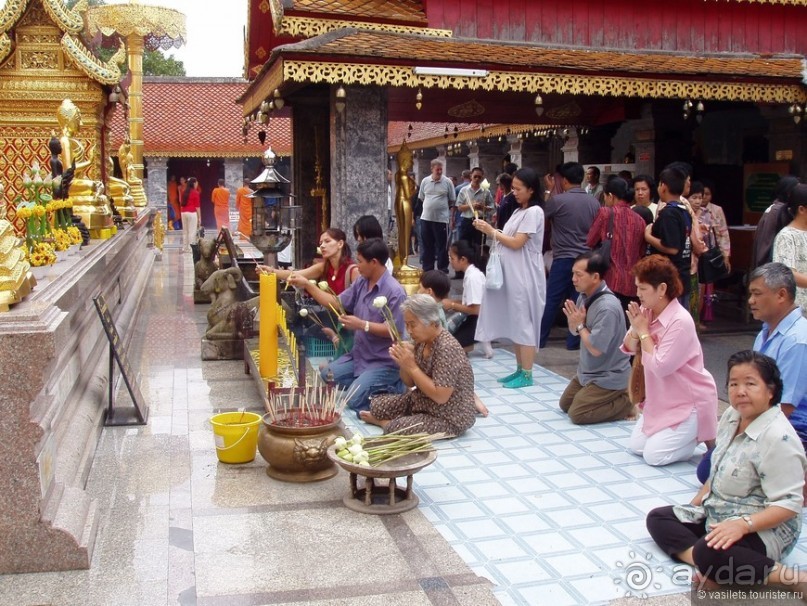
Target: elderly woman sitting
[(440, 397), (748, 515)]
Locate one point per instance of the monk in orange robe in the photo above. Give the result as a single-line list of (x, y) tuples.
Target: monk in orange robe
[(244, 206), (221, 205)]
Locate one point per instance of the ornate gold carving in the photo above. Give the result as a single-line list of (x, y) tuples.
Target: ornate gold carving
[(68, 20), (308, 27), (569, 84), (161, 27), (469, 109), (567, 111), (276, 7), (38, 38), (35, 15), (11, 13), (5, 47), (85, 61), (39, 59), (490, 132)]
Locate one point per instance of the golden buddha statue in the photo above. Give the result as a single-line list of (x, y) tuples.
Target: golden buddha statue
[(16, 280), (118, 192), (126, 161), (86, 194), (408, 276), (403, 203)]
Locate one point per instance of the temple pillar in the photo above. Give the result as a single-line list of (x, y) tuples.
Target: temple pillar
[(571, 149), (515, 150), (233, 177), (310, 131), (157, 184), (358, 146), (135, 48)]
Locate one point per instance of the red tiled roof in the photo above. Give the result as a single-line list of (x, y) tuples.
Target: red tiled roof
[(198, 117)]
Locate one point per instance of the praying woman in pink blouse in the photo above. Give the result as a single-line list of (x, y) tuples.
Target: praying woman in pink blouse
[(680, 407)]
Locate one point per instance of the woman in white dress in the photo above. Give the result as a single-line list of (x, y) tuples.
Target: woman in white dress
[(790, 245), (514, 311)]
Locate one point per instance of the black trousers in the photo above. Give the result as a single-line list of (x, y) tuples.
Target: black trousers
[(434, 236), (465, 333), (744, 563)]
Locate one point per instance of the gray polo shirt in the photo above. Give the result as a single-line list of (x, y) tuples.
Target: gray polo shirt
[(605, 320), (572, 214), (437, 196)]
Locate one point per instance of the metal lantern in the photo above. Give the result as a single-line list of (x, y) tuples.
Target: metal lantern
[(272, 219)]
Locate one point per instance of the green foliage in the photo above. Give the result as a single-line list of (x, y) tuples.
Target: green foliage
[(157, 64)]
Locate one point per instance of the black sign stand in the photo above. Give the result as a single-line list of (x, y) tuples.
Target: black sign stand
[(138, 415)]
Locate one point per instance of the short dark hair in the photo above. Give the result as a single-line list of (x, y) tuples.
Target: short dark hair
[(765, 366), (696, 187), (596, 263), (651, 184), (573, 172), (506, 180), (510, 168), (626, 174), (437, 281), (367, 227), (684, 167), (595, 170), (784, 186), (374, 248), (674, 179), (477, 168), (462, 248)]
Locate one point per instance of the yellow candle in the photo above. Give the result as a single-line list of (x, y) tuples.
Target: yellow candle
[(267, 338)]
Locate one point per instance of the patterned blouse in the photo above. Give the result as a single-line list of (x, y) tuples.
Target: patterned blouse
[(721, 227), (761, 467), (627, 246), (790, 248)]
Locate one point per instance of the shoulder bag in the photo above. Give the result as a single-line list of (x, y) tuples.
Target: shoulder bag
[(604, 247), (712, 264), (494, 276)]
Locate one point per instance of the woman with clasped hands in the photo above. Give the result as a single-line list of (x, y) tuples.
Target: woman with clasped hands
[(747, 516), (437, 372), (514, 311), (680, 407)]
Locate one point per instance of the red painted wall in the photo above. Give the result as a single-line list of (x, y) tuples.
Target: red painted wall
[(673, 25)]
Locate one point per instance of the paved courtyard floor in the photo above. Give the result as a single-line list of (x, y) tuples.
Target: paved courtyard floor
[(523, 509)]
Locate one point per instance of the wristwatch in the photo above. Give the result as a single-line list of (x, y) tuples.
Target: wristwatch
[(580, 327), (366, 326), (644, 336)]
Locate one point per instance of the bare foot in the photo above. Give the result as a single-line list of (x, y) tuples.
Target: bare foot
[(633, 414), (480, 407), (368, 417)]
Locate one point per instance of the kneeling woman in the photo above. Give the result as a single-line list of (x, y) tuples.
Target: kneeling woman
[(747, 516), (440, 397)]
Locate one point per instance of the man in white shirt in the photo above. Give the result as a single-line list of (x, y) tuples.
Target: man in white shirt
[(437, 194)]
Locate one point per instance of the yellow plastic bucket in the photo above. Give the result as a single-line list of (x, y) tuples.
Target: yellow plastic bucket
[(236, 436)]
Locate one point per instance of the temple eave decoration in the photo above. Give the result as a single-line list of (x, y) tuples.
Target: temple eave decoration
[(11, 13), (5, 47), (68, 20), (161, 27), (307, 27), (106, 73), (666, 87)]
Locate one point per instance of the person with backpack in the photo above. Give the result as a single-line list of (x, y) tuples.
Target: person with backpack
[(598, 393)]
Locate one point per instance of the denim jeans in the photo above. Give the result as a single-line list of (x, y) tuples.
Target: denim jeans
[(559, 287), (371, 382)]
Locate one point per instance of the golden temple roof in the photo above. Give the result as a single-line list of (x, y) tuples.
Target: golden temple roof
[(388, 10)]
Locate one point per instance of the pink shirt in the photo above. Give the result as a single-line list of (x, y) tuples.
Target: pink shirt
[(674, 376)]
